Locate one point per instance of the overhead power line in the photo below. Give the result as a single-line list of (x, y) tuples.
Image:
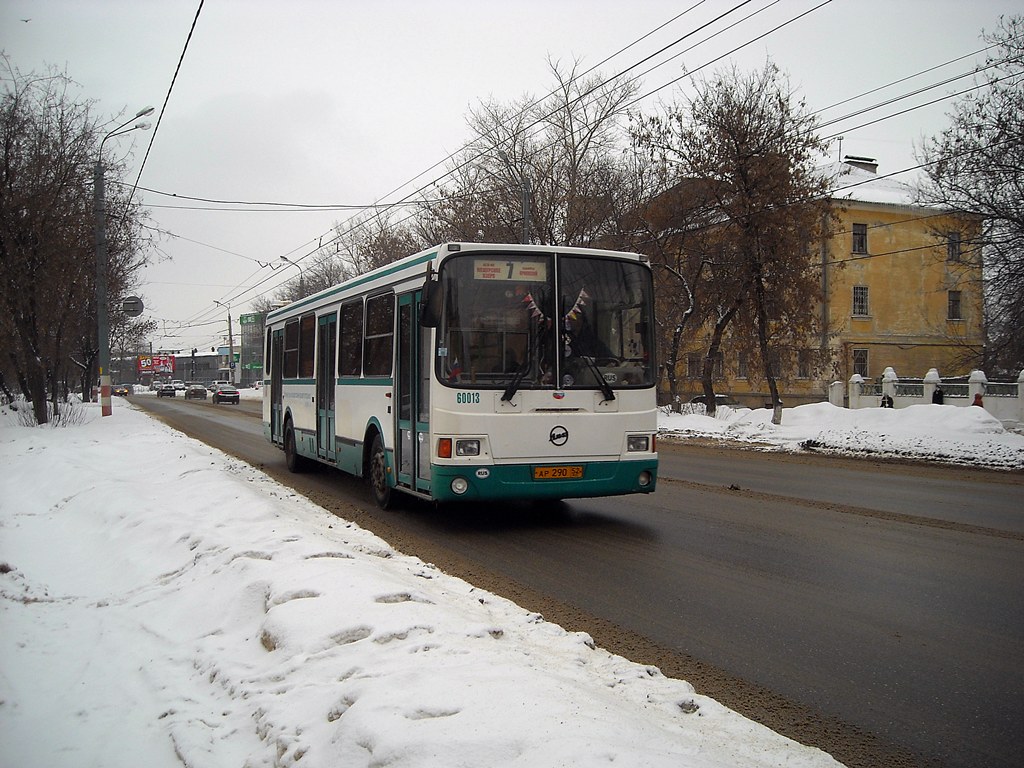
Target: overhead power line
[(408, 199)]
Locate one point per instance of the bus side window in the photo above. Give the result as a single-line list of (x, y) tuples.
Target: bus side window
[(350, 339), (290, 369), (380, 335), (307, 345)]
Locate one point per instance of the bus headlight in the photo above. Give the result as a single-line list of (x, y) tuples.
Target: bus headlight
[(638, 443), (644, 479), (467, 447), (460, 485)]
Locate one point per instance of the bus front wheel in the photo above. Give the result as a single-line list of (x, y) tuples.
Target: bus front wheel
[(379, 473)]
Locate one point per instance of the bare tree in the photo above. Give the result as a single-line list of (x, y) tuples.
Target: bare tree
[(48, 142), (359, 246), (553, 168), (976, 166), (673, 229), (753, 149)]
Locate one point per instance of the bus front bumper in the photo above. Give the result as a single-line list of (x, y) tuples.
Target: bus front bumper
[(520, 481)]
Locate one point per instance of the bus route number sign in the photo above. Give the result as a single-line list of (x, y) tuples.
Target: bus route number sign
[(568, 472), (519, 271)]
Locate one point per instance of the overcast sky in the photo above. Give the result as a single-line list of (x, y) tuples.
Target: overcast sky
[(343, 102)]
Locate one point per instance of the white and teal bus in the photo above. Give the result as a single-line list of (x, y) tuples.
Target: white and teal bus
[(473, 372)]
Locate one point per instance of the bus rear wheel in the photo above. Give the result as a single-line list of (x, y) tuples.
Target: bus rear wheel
[(295, 462), (379, 473)]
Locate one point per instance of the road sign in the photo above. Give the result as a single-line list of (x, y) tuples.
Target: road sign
[(132, 306)]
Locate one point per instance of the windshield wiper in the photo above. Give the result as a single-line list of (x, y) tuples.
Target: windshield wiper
[(606, 388), (517, 379)]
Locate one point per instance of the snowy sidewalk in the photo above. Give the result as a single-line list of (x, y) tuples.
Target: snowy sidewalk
[(166, 605)]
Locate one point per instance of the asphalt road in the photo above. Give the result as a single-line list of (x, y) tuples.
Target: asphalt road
[(875, 610)]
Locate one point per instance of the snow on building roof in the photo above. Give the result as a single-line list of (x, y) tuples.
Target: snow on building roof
[(854, 182)]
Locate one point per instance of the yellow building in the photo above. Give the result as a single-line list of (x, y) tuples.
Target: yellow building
[(902, 289)]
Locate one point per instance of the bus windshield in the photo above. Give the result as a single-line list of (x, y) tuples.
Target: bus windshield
[(527, 321)]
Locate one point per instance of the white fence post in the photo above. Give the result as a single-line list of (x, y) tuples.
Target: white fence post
[(835, 393), (1020, 398), (976, 384), (889, 381), (856, 383), (931, 381)]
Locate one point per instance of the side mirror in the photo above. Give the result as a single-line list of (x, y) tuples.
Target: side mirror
[(433, 301)]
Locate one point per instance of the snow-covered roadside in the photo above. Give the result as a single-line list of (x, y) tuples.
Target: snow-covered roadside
[(166, 605), (941, 433)]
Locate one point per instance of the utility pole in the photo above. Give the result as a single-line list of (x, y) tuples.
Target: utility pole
[(100, 234), (231, 344)]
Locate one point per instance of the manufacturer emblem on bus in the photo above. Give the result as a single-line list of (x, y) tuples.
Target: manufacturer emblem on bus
[(558, 395), (559, 436)]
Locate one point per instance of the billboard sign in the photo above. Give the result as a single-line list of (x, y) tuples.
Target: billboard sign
[(155, 364)]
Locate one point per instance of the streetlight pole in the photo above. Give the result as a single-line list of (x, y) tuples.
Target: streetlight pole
[(100, 232), (231, 343), (302, 288)]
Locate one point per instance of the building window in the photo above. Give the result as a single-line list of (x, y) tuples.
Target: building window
[(860, 301), (742, 364), (953, 247), (860, 238), (803, 364), (694, 369), (860, 362), (954, 309)]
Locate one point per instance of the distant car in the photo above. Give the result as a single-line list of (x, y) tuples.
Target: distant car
[(195, 392), (122, 390), (719, 400), (179, 385), (166, 390), (258, 384), (225, 393), (213, 387)]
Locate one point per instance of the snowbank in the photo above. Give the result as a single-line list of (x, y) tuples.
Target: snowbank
[(943, 433)]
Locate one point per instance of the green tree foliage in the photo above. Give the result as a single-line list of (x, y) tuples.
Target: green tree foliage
[(976, 165)]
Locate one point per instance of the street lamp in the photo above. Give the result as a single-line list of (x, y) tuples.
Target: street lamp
[(231, 343), (100, 228), (302, 289)]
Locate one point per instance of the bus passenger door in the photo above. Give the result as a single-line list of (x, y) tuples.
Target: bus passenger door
[(412, 394), (276, 364), (326, 376)]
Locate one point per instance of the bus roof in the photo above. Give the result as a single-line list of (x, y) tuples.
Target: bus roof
[(413, 266)]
